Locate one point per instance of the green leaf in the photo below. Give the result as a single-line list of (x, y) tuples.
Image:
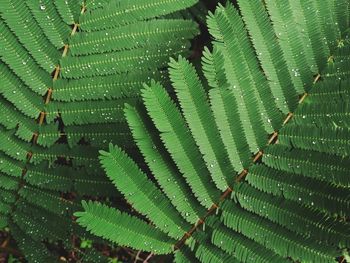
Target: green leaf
[(122, 228)]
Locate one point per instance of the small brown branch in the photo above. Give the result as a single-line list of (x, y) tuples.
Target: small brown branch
[(65, 50), (48, 96), (258, 156), (57, 71), (317, 78), (148, 258), (272, 138), (226, 193), (42, 117), (6, 241), (287, 119), (35, 138), (137, 257), (241, 175), (83, 9), (75, 28), (303, 98)]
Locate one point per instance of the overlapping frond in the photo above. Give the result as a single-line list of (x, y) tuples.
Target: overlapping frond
[(63, 87), (141, 192), (161, 166), (129, 228), (275, 123), (116, 13)]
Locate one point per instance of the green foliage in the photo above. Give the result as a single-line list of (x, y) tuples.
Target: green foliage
[(264, 150), (86, 243), (66, 70)]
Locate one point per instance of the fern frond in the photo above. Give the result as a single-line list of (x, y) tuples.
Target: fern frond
[(328, 20), (18, 17), (197, 13), (68, 10), (98, 136), (292, 44), (86, 112), (290, 200), (160, 164), (184, 256), (92, 256), (142, 193), (10, 119), (276, 238), (52, 121), (152, 57), (64, 179), (228, 30), (328, 198), (225, 109), (322, 114), (331, 140), (6, 198), (129, 229), (21, 63), (221, 26), (330, 90), (200, 120), (342, 15), (48, 18), (338, 70), (207, 252), (239, 246), (78, 155), (7, 182), (12, 147), (9, 166), (103, 87), (314, 45), (27, 222), (328, 168), (47, 200), (299, 219), (170, 123), (136, 35), (35, 251), (282, 83), (116, 14)]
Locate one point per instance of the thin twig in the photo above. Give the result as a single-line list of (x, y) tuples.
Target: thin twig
[(6, 241), (137, 257), (148, 257)]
